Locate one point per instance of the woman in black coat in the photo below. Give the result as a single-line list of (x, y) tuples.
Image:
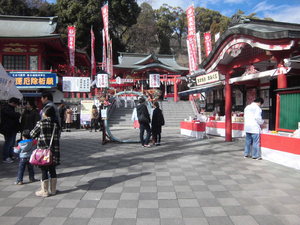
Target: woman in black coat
[(157, 122)]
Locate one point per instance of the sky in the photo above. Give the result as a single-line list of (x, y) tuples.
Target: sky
[(278, 10)]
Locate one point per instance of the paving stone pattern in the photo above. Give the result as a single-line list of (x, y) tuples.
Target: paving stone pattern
[(182, 182)]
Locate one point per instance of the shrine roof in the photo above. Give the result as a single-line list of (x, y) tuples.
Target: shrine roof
[(139, 61), (257, 29), (27, 27)]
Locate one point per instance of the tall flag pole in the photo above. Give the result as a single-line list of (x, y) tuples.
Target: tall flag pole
[(71, 46), (193, 61), (93, 61)]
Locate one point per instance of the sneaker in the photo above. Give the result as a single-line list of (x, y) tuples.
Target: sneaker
[(147, 146), (247, 156), (157, 144), (259, 158), (8, 160), (19, 183)]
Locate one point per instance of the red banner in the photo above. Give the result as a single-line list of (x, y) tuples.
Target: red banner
[(104, 10), (71, 44), (207, 43), (93, 61), (104, 59), (190, 13), (191, 39)]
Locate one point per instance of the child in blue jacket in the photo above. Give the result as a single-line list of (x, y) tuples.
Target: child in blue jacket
[(24, 149)]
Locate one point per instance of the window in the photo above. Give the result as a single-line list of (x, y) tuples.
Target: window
[(14, 62)]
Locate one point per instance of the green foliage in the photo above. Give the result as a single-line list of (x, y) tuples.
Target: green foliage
[(14, 7)]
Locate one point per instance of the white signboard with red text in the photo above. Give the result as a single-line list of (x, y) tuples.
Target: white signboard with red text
[(154, 80), (102, 80)]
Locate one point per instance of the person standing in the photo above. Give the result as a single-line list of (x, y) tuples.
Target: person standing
[(29, 117), (24, 149), (47, 100), (252, 127), (69, 118), (144, 120), (157, 122), (94, 118), (10, 126), (43, 132), (62, 113)]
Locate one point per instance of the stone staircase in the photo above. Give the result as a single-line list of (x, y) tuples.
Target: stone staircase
[(174, 112)]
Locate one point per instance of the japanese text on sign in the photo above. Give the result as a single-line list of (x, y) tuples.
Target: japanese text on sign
[(28, 79), (207, 78)]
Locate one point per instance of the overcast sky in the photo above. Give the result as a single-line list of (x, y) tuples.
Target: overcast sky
[(279, 10)]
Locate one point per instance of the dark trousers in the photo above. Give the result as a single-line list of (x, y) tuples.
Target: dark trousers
[(9, 143), (143, 127), (94, 124), (156, 137), (48, 170), (22, 165)]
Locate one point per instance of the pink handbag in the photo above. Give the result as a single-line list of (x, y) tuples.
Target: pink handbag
[(42, 157)]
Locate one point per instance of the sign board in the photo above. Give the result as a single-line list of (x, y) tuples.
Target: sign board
[(154, 80), (34, 79), (86, 110), (104, 114), (76, 84), (208, 78), (102, 80)]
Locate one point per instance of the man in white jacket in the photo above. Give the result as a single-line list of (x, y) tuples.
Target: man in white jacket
[(252, 127)]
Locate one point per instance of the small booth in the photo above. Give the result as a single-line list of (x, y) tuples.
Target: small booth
[(193, 128)]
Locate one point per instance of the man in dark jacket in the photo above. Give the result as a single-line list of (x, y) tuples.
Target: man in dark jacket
[(10, 125), (144, 120)]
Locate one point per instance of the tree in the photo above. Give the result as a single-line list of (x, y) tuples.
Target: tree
[(142, 36), (164, 20), (14, 7)]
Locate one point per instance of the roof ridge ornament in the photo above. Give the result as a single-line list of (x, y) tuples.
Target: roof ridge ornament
[(238, 19)]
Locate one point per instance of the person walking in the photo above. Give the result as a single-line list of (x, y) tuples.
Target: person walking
[(24, 149), (43, 132), (29, 117), (144, 121), (252, 127), (69, 118), (157, 122), (94, 118), (10, 126)]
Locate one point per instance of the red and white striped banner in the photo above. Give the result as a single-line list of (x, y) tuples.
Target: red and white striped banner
[(71, 44), (207, 43), (93, 61)]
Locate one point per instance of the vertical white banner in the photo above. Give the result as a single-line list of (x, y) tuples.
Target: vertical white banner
[(102, 80), (198, 38), (154, 80)]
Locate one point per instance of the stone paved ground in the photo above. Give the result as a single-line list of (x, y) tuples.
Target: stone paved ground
[(183, 182)]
